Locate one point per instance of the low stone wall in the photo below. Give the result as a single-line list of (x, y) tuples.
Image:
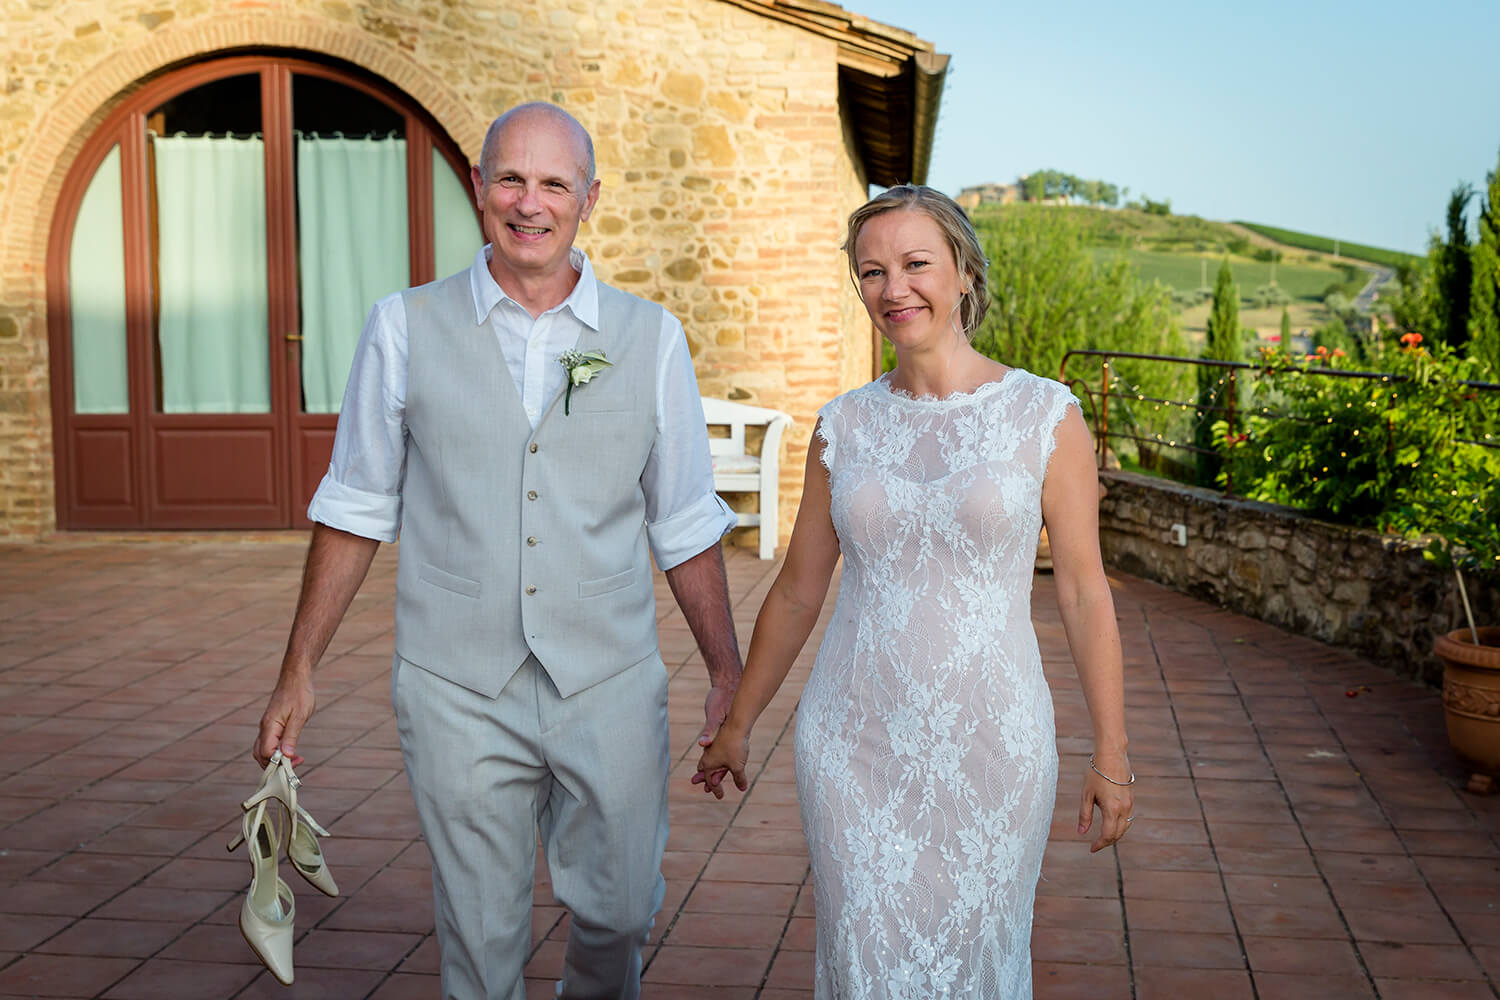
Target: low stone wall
[(1345, 586)]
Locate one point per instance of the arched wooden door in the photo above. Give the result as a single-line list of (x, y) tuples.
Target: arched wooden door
[(216, 247)]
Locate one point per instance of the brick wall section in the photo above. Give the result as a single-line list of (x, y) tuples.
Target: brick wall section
[(727, 174), (1349, 587)]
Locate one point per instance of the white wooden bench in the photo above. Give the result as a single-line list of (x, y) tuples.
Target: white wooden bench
[(738, 472)]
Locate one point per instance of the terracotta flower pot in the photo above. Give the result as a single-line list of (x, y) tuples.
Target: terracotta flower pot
[(1471, 695)]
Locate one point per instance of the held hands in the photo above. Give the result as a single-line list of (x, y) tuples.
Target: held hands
[(715, 740), (291, 705), (1115, 799), (715, 711), (727, 754)]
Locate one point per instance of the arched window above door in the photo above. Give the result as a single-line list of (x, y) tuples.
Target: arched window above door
[(219, 242)]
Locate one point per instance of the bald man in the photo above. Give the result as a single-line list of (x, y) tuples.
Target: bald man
[(528, 688)]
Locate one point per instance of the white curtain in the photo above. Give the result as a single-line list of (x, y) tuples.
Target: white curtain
[(96, 295), (352, 249), (211, 255), (455, 228)]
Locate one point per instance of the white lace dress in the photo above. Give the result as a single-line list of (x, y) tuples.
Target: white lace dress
[(925, 753)]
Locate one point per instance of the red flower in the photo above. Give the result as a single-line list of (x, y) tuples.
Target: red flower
[(1411, 339), (1338, 353), (1274, 338)]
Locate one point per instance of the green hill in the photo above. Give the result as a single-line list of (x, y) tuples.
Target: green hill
[(1324, 244), (1136, 229), (1183, 251)]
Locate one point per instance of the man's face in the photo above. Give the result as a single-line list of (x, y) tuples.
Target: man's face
[(534, 197)]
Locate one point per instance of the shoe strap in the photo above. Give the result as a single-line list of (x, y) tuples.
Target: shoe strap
[(307, 818)]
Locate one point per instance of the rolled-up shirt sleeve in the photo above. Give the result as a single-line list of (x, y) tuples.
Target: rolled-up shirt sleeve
[(684, 516), (361, 492)]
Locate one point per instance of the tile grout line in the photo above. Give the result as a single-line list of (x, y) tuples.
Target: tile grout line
[(1426, 881), (1292, 810), (1239, 937), (738, 808)]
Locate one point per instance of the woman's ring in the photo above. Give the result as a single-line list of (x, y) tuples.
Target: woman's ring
[(1130, 819)]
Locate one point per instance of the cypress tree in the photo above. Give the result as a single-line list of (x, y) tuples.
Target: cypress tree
[(1454, 272), (1484, 300), (1286, 330), (1224, 343)]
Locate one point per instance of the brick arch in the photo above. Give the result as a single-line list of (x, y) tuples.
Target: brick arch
[(50, 151)]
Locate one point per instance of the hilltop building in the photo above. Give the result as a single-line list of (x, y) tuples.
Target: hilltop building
[(988, 194), (185, 263)]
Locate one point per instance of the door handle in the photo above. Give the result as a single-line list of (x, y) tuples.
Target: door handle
[(294, 336)]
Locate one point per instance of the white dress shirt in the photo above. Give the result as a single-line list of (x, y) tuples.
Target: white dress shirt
[(361, 492)]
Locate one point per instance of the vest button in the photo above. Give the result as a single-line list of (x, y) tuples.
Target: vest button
[(531, 541), (531, 590), (533, 447), (531, 494)]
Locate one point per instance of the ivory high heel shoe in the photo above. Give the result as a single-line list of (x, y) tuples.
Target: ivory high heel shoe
[(281, 783), (268, 912)]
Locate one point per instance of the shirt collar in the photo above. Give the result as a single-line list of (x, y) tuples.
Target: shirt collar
[(582, 302)]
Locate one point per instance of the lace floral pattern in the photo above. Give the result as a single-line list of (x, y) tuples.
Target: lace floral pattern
[(925, 753)]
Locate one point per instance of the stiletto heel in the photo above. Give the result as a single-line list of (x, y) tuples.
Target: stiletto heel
[(302, 850), (268, 912)]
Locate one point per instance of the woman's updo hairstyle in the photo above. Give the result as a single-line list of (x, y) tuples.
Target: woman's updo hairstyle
[(973, 266)]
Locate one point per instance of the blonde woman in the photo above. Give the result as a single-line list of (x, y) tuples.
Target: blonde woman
[(925, 750)]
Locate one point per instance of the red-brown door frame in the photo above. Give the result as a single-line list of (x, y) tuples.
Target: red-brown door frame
[(297, 439)]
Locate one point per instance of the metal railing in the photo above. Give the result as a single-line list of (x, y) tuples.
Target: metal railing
[(1098, 400)]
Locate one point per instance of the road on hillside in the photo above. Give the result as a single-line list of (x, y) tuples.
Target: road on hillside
[(1365, 300)]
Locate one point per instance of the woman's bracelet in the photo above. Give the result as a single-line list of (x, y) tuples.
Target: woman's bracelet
[(1107, 778)]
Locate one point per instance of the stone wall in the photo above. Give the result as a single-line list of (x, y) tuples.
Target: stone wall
[(1345, 586), (727, 171)]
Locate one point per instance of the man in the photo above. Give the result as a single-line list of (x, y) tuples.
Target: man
[(528, 688)]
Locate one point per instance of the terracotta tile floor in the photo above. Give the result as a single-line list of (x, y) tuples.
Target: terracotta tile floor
[(1291, 841)]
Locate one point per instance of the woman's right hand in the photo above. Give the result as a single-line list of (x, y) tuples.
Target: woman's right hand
[(727, 754)]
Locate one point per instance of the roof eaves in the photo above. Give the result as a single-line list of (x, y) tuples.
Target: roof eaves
[(881, 69)]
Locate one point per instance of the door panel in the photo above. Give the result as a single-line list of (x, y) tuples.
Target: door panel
[(102, 468), (216, 438), (352, 183), (314, 449), (226, 468)]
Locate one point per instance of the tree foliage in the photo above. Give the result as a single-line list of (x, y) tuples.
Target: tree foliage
[(1225, 342), (1484, 298), (1050, 294), (1453, 272), (1043, 184)]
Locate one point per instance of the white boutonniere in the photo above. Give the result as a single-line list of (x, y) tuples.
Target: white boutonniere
[(581, 366)]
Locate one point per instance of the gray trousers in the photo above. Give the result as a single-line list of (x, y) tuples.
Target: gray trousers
[(589, 772)]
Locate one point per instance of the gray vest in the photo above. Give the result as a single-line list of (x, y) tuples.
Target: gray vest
[(514, 541)]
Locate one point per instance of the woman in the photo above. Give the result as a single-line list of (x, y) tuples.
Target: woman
[(925, 751)]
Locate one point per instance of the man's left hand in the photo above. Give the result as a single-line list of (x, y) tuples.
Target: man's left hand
[(715, 711)]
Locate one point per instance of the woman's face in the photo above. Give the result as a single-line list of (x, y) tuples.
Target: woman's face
[(908, 278)]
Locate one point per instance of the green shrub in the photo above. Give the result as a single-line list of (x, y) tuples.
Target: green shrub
[(1334, 335), (1051, 292), (1393, 453), (1267, 296)]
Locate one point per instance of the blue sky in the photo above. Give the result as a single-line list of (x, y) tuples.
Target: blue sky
[(1351, 120)]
